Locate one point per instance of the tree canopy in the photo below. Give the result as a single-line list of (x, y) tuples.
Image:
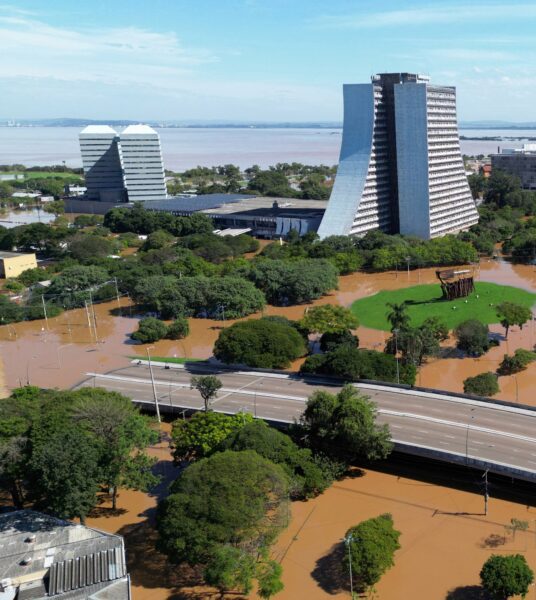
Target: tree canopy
[(503, 576), (483, 384)]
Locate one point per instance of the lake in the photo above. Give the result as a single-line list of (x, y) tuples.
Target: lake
[(186, 148)]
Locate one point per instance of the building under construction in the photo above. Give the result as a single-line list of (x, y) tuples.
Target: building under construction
[(456, 284)]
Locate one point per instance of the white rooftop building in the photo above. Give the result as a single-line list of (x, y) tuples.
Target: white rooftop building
[(122, 167)]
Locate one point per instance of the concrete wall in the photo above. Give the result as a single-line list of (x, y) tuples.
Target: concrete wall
[(13, 266), (412, 159)]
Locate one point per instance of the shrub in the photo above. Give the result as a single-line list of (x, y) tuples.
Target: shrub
[(260, 343), (517, 362), (484, 384), (472, 336), (150, 330), (178, 329)]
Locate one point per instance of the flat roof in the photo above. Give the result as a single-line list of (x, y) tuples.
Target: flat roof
[(138, 129), (98, 129), (6, 254)]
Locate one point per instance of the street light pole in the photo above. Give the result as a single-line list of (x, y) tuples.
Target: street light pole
[(408, 260), (154, 386), (486, 495), (395, 331), (347, 541)]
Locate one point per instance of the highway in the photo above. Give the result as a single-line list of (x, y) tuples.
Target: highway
[(481, 434)]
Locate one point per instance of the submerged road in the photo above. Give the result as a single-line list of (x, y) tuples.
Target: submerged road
[(480, 434)]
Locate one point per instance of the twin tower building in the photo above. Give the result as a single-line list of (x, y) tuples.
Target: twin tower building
[(400, 168), (125, 167)]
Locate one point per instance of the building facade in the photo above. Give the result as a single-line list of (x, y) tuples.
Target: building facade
[(520, 162), (400, 168), (124, 167), (143, 167), (12, 264)]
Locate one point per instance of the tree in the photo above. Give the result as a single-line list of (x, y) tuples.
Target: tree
[(517, 362), (123, 435), (200, 435), (505, 576), (229, 569), (345, 425), (331, 341), (329, 318), (76, 285), (85, 247), (269, 577), (516, 525), (264, 343), (499, 185), (236, 498), (207, 386), (67, 472), (305, 475), (472, 336), (513, 314), (156, 240), (484, 384), (150, 330), (398, 316), (372, 545), (178, 329)]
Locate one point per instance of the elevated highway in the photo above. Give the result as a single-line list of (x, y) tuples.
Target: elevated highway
[(477, 433)]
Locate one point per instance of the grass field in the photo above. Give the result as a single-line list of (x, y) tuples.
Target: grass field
[(41, 174), (426, 301)]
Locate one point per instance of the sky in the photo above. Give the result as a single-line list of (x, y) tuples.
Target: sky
[(257, 60)]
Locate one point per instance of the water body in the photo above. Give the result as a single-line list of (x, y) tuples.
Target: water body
[(187, 148), (12, 218)]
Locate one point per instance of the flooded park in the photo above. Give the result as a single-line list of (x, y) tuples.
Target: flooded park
[(445, 535)]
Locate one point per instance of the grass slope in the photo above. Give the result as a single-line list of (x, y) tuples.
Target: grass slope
[(426, 301)]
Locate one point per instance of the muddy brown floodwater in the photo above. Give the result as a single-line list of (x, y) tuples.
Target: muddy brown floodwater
[(445, 538)]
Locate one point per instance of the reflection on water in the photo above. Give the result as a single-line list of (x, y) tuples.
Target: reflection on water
[(12, 218), (62, 354)]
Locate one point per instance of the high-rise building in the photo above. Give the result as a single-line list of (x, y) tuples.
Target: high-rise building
[(122, 167), (101, 159), (142, 163), (400, 167)]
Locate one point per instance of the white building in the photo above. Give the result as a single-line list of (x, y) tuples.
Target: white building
[(122, 167), (400, 167), (143, 167)]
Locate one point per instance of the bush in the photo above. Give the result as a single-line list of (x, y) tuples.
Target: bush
[(516, 363), (484, 384), (472, 336), (352, 364), (373, 544), (150, 330), (331, 341), (178, 329), (505, 576), (260, 343)]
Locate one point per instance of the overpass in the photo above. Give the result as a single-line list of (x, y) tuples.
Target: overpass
[(492, 435)]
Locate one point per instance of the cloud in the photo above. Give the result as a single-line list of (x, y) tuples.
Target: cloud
[(453, 13), (31, 48)]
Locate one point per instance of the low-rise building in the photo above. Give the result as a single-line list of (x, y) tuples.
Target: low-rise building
[(520, 162), (42, 557), (12, 264)]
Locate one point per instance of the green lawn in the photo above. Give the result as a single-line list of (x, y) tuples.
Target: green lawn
[(426, 301), (41, 174)]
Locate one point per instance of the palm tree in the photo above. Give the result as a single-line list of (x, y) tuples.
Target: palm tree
[(398, 317)]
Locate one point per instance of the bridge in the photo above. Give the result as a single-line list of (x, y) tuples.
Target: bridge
[(488, 435)]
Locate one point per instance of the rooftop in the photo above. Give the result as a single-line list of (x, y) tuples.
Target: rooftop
[(98, 129), (6, 254), (138, 129)]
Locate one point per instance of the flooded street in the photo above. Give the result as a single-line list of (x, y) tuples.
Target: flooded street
[(62, 354)]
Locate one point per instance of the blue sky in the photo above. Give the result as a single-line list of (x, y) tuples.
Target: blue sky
[(262, 60)]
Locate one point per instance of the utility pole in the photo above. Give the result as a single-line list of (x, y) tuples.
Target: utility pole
[(88, 319), (45, 311), (395, 331), (154, 387), (94, 316), (486, 494), (117, 293), (348, 541)]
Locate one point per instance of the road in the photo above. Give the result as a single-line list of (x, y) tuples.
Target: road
[(481, 434)]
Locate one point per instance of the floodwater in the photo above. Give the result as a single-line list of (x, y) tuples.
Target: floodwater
[(445, 537), (63, 353), (185, 148), (12, 218)]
